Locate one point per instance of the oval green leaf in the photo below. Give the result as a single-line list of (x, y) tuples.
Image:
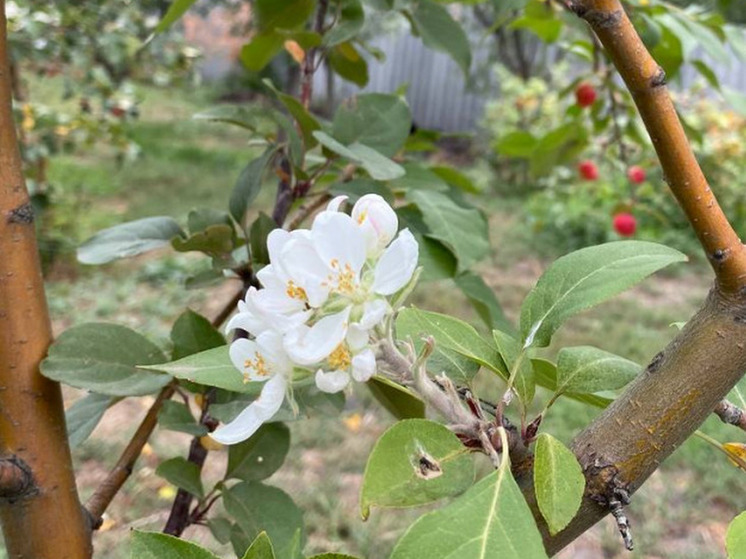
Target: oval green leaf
[(103, 358), (586, 369), (261, 455), (415, 462), (154, 545), (128, 239), (491, 519), (257, 508), (558, 481), (735, 539), (586, 278)]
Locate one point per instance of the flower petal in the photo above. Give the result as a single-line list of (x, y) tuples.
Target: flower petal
[(397, 264), (377, 220), (259, 411), (338, 239), (307, 346), (276, 240), (306, 269), (373, 313), (364, 365), (333, 381), (336, 202), (357, 338)]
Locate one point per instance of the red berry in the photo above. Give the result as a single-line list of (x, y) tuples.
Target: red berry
[(585, 95), (118, 112), (588, 170), (625, 224), (636, 174)]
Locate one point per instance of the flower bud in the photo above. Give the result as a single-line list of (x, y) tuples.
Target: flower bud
[(377, 220)]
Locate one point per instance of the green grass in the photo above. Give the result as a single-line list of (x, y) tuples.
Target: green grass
[(188, 164)]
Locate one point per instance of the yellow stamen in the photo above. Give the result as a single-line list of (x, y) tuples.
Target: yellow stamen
[(342, 280), (295, 292), (362, 216), (258, 365), (340, 358)]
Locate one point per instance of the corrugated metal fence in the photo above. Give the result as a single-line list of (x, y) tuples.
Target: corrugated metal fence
[(438, 93)]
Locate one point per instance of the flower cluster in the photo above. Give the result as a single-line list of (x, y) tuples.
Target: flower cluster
[(324, 293)]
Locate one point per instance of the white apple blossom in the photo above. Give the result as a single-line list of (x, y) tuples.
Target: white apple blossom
[(260, 360), (325, 291)]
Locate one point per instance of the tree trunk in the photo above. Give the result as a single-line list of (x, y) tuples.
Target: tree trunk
[(41, 514)]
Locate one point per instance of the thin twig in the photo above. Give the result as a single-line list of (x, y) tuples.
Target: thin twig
[(108, 489), (309, 209), (731, 414)]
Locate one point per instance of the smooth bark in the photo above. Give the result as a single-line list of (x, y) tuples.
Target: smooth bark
[(47, 518)]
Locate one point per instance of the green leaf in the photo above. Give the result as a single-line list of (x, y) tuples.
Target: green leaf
[(211, 368), (483, 299), (462, 230), (437, 260), (261, 50), (378, 120), (398, 400), (128, 239), (378, 166), (545, 373), (707, 73), (456, 179), (349, 23), (247, 117), (491, 519), (260, 508), (332, 556), (282, 14), (453, 334), (249, 184), (346, 61), (588, 369), (221, 529), (261, 228), (735, 539), (439, 31), (215, 240), (418, 176), (183, 474), (413, 463), (585, 278), (517, 144), (154, 545), (261, 548), (103, 358), (540, 20), (192, 333), (514, 356), (307, 123), (261, 455), (83, 416), (175, 416), (177, 9), (558, 481)]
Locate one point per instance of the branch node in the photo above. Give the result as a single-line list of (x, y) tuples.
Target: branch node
[(656, 363), (601, 19), (16, 479), (659, 79), (23, 214)]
